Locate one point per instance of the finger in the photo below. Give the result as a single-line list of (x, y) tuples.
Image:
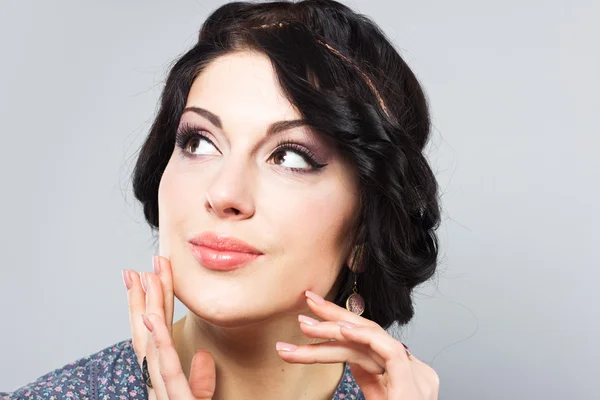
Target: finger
[(154, 305), (155, 302), (167, 361), (203, 375), (406, 379), (377, 339), (397, 364), (136, 299), (332, 312), (371, 384), (162, 269), (385, 346), (330, 331), (327, 353)]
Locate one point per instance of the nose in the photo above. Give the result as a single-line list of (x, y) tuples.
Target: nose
[(229, 195)]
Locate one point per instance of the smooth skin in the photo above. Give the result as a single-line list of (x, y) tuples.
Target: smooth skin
[(379, 363), (243, 178)]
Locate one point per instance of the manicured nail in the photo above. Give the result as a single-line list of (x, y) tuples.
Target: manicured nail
[(307, 320), (126, 278), (283, 346), (147, 323), (346, 324), (156, 264), (315, 297), (144, 284)]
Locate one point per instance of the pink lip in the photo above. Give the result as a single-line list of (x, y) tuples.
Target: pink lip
[(222, 252)]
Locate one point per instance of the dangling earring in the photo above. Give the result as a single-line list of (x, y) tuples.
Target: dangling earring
[(355, 303)]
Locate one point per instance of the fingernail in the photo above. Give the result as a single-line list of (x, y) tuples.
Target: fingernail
[(147, 322), (144, 284), (307, 320), (126, 278), (283, 346), (346, 324), (315, 297), (156, 264)]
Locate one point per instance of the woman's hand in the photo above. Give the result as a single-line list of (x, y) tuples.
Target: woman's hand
[(379, 363), (151, 307)]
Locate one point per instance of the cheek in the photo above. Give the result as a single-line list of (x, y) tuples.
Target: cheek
[(168, 200), (317, 238), (181, 184), (180, 191), (311, 225)]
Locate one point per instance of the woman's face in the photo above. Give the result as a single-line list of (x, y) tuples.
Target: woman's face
[(246, 180)]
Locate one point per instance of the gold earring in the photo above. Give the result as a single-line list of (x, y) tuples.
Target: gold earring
[(355, 303)]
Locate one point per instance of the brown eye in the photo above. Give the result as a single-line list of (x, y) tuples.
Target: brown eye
[(200, 146), (290, 159)]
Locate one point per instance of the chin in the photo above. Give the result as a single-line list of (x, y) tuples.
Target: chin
[(238, 312), (224, 307), (236, 298), (230, 317)]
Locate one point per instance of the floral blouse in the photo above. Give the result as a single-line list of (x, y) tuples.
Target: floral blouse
[(114, 374)]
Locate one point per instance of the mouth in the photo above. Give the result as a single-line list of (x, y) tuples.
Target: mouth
[(222, 252)]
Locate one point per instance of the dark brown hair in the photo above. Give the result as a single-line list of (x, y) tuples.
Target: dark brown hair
[(357, 91)]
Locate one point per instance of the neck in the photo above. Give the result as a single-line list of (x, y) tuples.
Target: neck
[(247, 363)]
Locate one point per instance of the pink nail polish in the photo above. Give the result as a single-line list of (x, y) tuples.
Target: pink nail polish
[(147, 323), (283, 346), (156, 264), (346, 324), (307, 320), (315, 297), (126, 278)]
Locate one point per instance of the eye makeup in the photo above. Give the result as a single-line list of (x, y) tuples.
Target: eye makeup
[(308, 156), (188, 132)]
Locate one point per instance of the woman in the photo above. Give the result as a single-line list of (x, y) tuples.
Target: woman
[(295, 214)]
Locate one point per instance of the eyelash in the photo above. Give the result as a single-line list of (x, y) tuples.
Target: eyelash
[(187, 132)]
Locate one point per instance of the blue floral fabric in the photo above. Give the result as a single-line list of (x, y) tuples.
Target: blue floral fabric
[(114, 374)]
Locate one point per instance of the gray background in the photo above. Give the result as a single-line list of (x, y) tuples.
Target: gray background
[(513, 312)]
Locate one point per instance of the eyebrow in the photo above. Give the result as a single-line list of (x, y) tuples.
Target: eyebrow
[(274, 128)]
